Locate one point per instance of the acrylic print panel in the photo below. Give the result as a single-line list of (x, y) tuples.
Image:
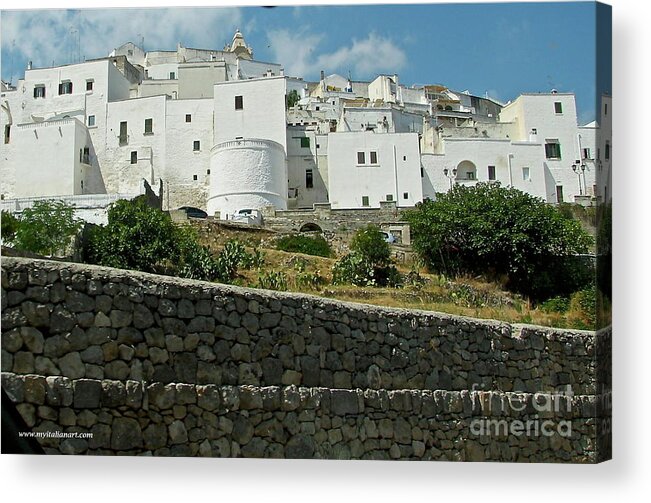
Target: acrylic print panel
[(224, 236)]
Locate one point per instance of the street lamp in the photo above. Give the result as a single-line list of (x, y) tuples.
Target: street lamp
[(450, 174), (579, 167)]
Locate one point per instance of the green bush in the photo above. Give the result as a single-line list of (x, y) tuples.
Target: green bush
[(502, 232), (8, 227), (47, 228), (297, 243), (310, 280), (272, 280), (138, 237), (369, 263), (556, 305), (583, 308)]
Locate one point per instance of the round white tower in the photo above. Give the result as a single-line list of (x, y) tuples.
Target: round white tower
[(247, 173)]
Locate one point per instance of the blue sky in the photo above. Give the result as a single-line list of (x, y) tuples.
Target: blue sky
[(497, 49)]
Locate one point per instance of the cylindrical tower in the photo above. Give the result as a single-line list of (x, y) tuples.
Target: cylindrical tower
[(247, 173)]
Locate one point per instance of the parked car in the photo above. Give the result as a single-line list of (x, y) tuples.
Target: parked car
[(192, 212), (388, 237), (247, 216)]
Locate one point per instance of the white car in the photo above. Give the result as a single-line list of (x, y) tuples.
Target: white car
[(388, 237), (247, 216)]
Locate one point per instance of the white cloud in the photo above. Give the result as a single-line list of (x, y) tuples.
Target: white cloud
[(43, 36), (299, 53)]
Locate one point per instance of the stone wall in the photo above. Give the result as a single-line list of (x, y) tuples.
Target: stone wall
[(164, 366)]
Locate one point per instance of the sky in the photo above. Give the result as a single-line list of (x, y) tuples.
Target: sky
[(498, 50)]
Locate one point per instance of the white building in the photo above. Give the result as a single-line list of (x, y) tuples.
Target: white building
[(213, 129)]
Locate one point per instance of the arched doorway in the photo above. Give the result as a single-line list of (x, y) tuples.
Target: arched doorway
[(310, 227), (466, 170)]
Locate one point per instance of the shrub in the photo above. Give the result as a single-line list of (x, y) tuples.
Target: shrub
[(47, 228), (138, 237), (308, 245), (496, 231), (272, 280), (556, 305), (583, 308), (9, 227), (310, 280), (369, 262)]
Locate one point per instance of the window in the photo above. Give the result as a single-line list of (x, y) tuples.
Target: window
[(305, 142), (89, 85), (607, 152), (196, 146), (361, 158), (558, 107), (405, 195), (91, 120), (172, 75), (7, 133), (605, 108), (39, 91), (491, 172), (559, 194), (65, 87), (188, 117), (84, 155), (553, 149), (365, 201), (422, 172), (525, 174), (207, 172), (389, 197), (404, 157), (373, 157), (134, 157), (194, 177), (124, 137), (239, 103), (309, 179), (149, 126), (586, 153), (316, 108)]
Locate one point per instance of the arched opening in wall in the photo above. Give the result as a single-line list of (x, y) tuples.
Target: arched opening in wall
[(466, 170), (448, 108), (310, 227)]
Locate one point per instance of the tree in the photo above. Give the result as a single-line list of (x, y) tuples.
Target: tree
[(292, 98), (495, 231), (47, 228), (137, 236), (9, 227)]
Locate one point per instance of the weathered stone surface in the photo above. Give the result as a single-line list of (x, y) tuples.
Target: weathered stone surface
[(125, 434), (33, 339), (300, 447), (87, 393), (72, 366), (177, 433)]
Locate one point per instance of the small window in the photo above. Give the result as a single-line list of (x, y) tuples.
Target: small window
[(605, 108), (305, 142), (89, 85), (39, 91), (309, 179), (188, 117), (558, 107), (84, 155), (553, 149), (196, 146), (404, 157), (129, 52), (607, 152), (586, 153), (149, 126), (422, 172), (91, 120), (124, 137), (172, 75), (134, 157), (389, 197), (65, 87), (559, 194), (373, 157), (405, 195), (194, 177), (316, 109), (318, 146), (207, 172), (365, 201), (526, 174), (491, 172), (239, 103), (7, 133), (361, 158)]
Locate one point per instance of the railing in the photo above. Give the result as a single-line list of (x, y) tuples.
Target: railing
[(80, 201), (248, 142)]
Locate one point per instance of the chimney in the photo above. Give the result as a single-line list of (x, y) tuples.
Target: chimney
[(29, 65)]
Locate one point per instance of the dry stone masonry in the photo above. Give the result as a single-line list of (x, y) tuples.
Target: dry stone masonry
[(143, 364)]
